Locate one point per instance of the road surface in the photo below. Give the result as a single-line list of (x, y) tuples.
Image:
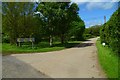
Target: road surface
[(77, 62)]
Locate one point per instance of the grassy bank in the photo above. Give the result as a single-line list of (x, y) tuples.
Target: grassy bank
[(41, 47), (108, 60)]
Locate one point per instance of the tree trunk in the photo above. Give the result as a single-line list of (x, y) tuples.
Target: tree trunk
[(62, 39), (51, 40), (12, 41), (12, 38)]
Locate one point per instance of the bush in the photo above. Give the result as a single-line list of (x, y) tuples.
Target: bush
[(5, 38), (77, 29), (87, 36), (92, 31), (110, 32)]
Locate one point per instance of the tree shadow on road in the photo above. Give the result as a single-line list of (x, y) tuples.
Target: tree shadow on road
[(15, 68), (75, 45), (84, 45)]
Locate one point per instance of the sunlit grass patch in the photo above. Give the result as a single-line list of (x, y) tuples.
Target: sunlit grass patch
[(108, 60), (40, 47)]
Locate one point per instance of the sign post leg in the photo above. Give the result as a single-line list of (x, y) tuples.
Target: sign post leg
[(19, 44)]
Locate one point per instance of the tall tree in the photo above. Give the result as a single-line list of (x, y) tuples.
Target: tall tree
[(17, 19), (77, 29), (49, 11), (58, 18), (62, 20), (67, 14)]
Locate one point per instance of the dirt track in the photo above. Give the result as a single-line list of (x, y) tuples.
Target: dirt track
[(78, 62)]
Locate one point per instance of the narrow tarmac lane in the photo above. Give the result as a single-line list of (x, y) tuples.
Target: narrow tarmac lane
[(77, 62)]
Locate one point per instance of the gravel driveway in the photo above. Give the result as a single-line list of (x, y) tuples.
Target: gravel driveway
[(77, 62)]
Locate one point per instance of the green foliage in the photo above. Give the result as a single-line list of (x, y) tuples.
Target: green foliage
[(102, 34), (5, 38), (53, 21), (77, 29), (17, 20), (92, 31), (108, 61), (87, 36), (110, 32), (58, 18)]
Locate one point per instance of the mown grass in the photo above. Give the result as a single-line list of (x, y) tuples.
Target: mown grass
[(108, 60), (41, 47)]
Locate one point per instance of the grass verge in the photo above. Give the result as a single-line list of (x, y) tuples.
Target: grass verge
[(8, 49), (108, 60)]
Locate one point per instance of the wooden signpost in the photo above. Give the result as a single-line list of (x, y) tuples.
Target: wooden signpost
[(32, 40)]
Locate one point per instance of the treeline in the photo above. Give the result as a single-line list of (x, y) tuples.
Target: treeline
[(92, 31), (110, 32), (48, 21)]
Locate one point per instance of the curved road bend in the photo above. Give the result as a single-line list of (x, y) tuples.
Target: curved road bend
[(77, 62)]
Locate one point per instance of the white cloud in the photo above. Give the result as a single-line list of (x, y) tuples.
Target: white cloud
[(78, 1), (91, 4), (93, 22), (100, 5)]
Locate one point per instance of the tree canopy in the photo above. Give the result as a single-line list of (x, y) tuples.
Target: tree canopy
[(53, 19), (18, 20)]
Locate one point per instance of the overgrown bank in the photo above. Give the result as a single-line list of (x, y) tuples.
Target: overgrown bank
[(110, 32), (108, 60), (41, 47)]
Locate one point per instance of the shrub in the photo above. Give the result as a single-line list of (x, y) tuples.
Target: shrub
[(5, 38), (87, 36), (92, 31), (110, 32)]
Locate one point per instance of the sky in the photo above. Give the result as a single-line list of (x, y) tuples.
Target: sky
[(92, 13)]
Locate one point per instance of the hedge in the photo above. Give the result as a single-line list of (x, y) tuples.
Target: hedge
[(110, 32)]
